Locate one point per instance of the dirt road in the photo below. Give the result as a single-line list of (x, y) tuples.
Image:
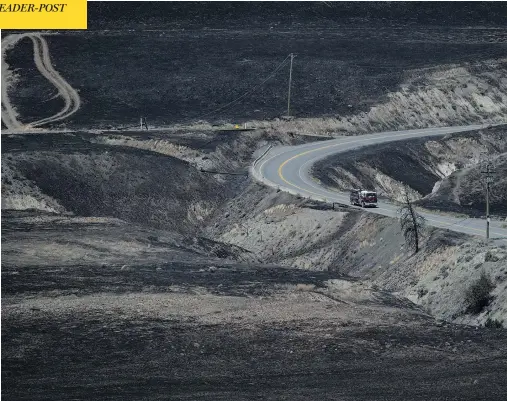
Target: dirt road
[(42, 59), (9, 114)]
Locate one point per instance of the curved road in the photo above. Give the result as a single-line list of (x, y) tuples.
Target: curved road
[(288, 168), (42, 59)]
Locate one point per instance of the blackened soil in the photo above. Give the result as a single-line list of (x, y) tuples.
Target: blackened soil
[(289, 14), (236, 280), (91, 179), (469, 186), (116, 359), (97, 355), (400, 160), (183, 75)]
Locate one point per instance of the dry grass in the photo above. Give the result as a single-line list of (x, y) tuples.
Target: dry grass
[(305, 287), (478, 295)]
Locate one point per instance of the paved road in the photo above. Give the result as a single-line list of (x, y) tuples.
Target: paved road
[(288, 168)]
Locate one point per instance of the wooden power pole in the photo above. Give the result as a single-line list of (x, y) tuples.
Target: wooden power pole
[(290, 83), (144, 123), (489, 178)]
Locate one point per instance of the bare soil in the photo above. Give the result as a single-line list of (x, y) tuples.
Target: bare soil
[(360, 76), (168, 325), (116, 357), (133, 270)]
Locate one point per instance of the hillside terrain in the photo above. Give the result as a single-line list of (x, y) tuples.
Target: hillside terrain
[(149, 264), (359, 78), (219, 333), (251, 268), (446, 95), (289, 15), (263, 274), (295, 233), (263, 225)]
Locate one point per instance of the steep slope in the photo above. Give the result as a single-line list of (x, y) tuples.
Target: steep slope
[(464, 190), (300, 234), (73, 174)]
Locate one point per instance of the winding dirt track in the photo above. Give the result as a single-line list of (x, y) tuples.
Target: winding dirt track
[(9, 114), (42, 60)]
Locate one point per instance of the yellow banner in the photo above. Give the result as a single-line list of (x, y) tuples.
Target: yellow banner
[(46, 14)]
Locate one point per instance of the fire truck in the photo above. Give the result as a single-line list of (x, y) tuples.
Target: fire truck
[(363, 197)]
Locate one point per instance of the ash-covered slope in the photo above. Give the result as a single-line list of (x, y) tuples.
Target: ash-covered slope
[(287, 14), (70, 173), (464, 190), (282, 229), (102, 307), (362, 76)]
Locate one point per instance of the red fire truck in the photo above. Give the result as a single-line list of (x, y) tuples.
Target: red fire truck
[(363, 197)]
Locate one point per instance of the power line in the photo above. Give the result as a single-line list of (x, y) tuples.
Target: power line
[(290, 83), (271, 75)]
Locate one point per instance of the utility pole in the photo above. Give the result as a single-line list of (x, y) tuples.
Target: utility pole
[(488, 173), (290, 83), (144, 123)]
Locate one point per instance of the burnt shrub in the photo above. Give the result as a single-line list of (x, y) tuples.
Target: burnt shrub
[(491, 257), (478, 295), (493, 323)]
